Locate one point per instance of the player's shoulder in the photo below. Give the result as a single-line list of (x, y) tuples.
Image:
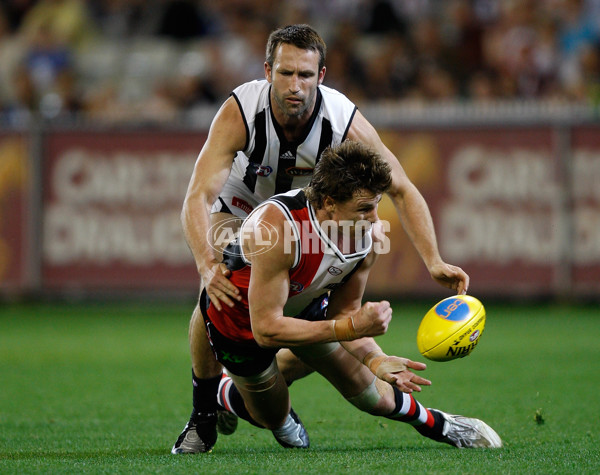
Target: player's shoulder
[(281, 208), (251, 87), (292, 200), (336, 106), (332, 93)]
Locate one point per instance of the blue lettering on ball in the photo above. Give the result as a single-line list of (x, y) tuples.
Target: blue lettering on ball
[(455, 310)]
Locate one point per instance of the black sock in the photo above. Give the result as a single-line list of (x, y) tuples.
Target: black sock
[(205, 394), (434, 432)]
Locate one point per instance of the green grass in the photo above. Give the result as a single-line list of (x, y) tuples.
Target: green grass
[(106, 389)]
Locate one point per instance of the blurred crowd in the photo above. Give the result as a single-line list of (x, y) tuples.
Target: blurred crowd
[(152, 60)]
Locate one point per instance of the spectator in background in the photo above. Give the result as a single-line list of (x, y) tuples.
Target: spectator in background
[(345, 71), (66, 21), (422, 50), (45, 78), (123, 19)]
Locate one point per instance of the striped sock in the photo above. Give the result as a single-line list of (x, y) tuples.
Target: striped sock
[(231, 400), (409, 410)]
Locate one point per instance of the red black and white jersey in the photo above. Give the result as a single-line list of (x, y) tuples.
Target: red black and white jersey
[(319, 265), (271, 165)]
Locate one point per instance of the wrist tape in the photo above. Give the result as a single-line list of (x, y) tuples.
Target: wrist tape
[(344, 329)]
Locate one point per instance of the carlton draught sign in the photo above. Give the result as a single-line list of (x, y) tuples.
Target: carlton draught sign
[(111, 213), (518, 209)]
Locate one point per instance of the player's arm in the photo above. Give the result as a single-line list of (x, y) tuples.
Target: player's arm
[(346, 300), (227, 135), (269, 288), (412, 210)]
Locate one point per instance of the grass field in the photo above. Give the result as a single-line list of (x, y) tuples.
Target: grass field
[(106, 389)]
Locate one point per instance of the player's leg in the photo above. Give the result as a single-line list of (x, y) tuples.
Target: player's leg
[(200, 433), (370, 394), (255, 389), (291, 367)]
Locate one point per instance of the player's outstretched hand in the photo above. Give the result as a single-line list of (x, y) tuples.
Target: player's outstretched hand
[(406, 380), (372, 319), (395, 370), (218, 286), (452, 277)]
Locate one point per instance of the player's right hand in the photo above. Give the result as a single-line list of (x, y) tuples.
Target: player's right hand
[(372, 319), (218, 286)]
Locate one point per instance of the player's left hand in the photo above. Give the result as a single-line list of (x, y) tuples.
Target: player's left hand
[(395, 370), (452, 277)]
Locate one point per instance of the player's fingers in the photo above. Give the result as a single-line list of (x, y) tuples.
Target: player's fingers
[(463, 283), (412, 386), (214, 300), (419, 380), (224, 270), (404, 387), (219, 296), (224, 286), (231, 290), (415, 365)]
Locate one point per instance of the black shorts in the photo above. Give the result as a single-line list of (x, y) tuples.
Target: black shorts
[(241, 358)]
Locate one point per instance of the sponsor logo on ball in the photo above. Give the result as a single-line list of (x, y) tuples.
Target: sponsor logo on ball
[(455, 310)]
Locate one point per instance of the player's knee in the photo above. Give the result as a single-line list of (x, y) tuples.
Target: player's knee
[(292, 368), (368, 400)]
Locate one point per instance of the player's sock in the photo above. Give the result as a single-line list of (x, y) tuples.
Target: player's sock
[(427, 422), (204, 394), (231, 399)]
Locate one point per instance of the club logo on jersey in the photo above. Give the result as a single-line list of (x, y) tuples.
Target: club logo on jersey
[(264, 170), (296, 287), (334, 270), (298, 171)]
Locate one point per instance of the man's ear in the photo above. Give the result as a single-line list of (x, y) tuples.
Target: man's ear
[(329, 204), (268, 72), (321, 75)]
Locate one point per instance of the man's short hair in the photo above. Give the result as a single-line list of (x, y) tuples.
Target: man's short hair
[(300, 36), (346, 169)]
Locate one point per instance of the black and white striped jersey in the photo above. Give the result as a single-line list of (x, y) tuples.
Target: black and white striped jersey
[(269, 164)]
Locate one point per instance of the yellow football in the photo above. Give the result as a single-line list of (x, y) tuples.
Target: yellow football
[(452, 328)]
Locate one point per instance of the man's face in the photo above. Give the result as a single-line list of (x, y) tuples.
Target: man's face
[(294, 77), (356, 215)]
